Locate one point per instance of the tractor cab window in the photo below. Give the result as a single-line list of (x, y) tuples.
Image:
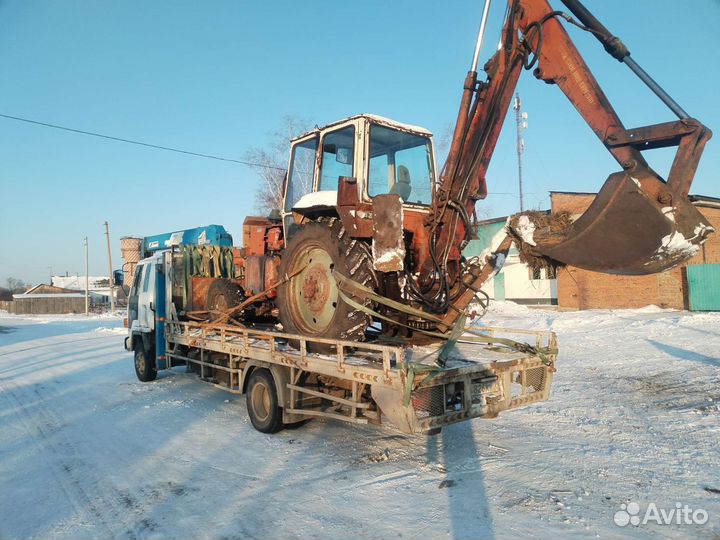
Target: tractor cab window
[(400, 163), (338, 152), (302, 168)]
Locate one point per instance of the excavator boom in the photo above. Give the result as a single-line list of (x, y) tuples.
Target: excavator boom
[(639, 223)]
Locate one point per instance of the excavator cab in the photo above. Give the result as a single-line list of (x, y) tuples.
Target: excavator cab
[(356, 191), (400, 160)]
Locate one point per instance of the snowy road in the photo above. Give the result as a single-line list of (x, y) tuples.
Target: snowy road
[(86, 451)]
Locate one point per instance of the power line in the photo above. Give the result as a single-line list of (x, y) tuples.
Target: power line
[(140, 143)]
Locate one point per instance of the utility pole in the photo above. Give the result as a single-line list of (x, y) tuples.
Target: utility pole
[(87, 278), (110, 268), (521, 122)]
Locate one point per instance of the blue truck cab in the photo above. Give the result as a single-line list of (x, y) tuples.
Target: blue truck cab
[(150, 295), (147, 311)]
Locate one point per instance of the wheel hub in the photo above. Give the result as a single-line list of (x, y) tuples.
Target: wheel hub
[(313, 290), (220, 303), (316, 288), (261, 401), (140, 362)]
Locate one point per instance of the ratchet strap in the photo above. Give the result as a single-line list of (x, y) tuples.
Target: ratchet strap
[(454, 336)]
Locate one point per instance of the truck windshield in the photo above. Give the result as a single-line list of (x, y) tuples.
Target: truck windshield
[(400, 163)]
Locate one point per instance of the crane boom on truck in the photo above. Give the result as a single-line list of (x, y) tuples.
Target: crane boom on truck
[(368, 245)]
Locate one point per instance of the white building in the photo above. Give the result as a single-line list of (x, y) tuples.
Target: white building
[(516, 281), (99, 286)]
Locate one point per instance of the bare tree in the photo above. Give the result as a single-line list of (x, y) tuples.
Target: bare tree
[(443, 142), (270, 162), (15, 286)]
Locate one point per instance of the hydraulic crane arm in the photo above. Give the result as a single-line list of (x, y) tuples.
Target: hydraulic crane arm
[(638, 223)]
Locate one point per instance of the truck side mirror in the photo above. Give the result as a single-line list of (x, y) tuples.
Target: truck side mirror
[(152, 307)]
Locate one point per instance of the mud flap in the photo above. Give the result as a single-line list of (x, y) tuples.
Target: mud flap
[(634, 226), (388, 243), (390, 402)]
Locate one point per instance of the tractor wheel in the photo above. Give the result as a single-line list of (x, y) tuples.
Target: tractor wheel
[(309, 304), (223, 294)]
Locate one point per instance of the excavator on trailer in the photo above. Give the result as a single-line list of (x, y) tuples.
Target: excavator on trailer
[(371, 235), (365, 262)]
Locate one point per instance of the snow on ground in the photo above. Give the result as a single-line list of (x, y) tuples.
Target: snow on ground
[(86, 451)]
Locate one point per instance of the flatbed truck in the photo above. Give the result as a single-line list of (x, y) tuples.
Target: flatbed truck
[(361, 382)]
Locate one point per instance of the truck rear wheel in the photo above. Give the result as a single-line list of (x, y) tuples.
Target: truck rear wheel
[(262, 402), (309, 304), (145, 367)]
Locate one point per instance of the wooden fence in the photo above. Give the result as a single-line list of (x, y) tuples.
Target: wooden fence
[(44, 305)]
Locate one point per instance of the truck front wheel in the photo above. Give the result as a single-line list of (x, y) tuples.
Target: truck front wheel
[(145, 367), (262, 402)]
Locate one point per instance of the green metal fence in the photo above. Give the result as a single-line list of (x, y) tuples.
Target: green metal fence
[(704, 287)]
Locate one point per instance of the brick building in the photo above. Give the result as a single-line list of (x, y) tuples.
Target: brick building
[(582, 289)]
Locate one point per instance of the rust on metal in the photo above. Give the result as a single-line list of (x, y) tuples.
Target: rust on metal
[(646, 235), (388, 242), (254, 274), (638, 223)]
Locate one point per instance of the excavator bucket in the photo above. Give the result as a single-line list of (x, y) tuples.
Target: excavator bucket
[(636, 225)]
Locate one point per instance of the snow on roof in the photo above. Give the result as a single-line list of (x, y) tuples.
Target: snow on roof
[(31, 289), (409, 127), (77, 283), (704, 200), (57, 295), (375, 118)]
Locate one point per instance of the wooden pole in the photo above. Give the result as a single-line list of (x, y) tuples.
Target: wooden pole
[(110, 269), (87, 279)]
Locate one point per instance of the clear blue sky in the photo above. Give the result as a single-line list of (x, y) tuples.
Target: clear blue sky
[(218, 77)]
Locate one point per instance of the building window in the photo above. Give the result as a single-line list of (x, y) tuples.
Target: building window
[(542, 273)]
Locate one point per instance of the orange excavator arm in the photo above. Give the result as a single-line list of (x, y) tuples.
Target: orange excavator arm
[(638, 224)]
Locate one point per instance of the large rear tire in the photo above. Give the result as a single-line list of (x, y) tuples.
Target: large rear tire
[(309, 304)]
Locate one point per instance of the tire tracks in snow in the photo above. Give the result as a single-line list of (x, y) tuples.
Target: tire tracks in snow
[(101, 508), (45, 345)]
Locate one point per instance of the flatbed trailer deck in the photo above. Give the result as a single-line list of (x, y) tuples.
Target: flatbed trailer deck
[(366, 382), (417, 388)]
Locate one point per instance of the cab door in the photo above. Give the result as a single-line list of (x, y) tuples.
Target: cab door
[(146, 298), (133, 297), (300, 178)]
